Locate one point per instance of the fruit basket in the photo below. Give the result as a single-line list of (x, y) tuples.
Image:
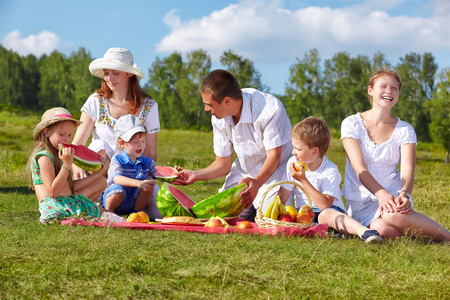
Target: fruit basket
[(264, 222)]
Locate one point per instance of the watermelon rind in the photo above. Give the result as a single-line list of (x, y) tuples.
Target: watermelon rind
[(225, 204), (168, 205), (90, 166)]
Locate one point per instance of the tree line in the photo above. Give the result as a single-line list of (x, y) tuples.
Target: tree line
[(333, 88)]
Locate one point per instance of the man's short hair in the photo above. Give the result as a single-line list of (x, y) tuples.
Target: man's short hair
[(221, 84)]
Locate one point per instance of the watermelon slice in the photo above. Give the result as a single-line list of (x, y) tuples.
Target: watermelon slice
[(166, 174), (84, 157), (173, 202), (225, 204)]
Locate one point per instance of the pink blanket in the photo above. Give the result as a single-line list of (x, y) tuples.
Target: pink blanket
[(320, 229)]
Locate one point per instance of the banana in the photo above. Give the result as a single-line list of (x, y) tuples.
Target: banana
[(275, 212), (224, 223), (282, 209), (269, 210)]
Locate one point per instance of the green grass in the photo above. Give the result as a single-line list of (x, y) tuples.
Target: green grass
[(67, 262)]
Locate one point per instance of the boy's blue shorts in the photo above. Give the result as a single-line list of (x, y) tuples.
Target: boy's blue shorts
[(317, 213), (129, 198)]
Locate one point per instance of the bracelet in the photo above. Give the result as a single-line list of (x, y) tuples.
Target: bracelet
[(68, 170), (406, 192)]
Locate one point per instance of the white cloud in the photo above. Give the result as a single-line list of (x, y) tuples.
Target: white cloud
[(267, 32), (43, 43)]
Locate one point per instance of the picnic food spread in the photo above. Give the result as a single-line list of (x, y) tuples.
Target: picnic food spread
[(277, 211)]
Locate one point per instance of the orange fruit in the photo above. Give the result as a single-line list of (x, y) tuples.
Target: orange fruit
[(245, 225), (306, 209), (144, 217), (303, 218), (298, 165), (291, 211), (135, 218)]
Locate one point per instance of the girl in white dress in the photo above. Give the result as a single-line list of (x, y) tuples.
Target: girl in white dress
[(119, 95), (377, 194)]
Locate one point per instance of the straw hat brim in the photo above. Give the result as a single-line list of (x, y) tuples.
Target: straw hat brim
[(97, 66), (47, 122)]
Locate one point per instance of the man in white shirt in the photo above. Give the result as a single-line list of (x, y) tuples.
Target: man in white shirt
[(255, 126)]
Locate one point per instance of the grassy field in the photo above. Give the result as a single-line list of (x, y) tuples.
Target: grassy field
[(59, 262)]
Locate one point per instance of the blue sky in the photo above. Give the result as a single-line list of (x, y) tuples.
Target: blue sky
[(272, 34)]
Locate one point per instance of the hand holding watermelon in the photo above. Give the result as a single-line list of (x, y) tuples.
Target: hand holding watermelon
[(186, 177), (66, 156), (83, 157), (249, 194)]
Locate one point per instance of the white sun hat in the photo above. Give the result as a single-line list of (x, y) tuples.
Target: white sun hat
[(119, 59), (127, 126)]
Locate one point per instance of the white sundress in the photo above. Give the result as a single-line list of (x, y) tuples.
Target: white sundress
[(382, 162)]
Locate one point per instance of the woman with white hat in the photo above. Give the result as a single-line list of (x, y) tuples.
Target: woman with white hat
[(120, 94)]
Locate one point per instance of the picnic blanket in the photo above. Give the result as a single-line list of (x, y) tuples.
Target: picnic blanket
[(320, 229)]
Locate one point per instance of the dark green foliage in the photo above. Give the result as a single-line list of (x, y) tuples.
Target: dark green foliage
[(334, 88)]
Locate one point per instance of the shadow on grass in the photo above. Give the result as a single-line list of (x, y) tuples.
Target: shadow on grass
[(17, 189)]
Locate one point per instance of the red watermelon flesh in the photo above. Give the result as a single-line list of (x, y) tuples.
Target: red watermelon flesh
[(166, 174), (84, 157), (173, 202)]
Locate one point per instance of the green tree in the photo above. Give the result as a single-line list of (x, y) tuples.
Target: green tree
[(303, 91), (83, 83), (439, 108), (195, 70), (11, 80), (243, 69), (163, 76), (56, 87), (417, 75), (31, 78), (345, 87)]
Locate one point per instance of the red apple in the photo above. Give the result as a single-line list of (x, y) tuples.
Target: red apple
[(306, 209), (298, 165), (285, 218), (214, 223), (245, 225)]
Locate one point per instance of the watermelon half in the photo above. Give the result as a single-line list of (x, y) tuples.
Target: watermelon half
[(225, 204), (84, 157), (173, 202), (166, 174)]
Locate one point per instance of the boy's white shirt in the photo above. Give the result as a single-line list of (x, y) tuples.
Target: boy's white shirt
[(326, 179)]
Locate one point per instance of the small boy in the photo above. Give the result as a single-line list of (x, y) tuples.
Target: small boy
[(129, 171), (321, 180)]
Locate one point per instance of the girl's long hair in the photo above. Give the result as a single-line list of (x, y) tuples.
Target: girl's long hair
[(135, 92), (43, 143)]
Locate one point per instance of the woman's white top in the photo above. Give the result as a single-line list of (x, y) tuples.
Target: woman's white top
[(103, 134), (382, 160)]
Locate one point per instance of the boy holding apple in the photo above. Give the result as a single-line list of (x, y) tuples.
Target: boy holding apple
[(320, 179)]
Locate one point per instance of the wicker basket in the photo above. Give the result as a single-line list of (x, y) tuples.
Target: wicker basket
[(264, 222)]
